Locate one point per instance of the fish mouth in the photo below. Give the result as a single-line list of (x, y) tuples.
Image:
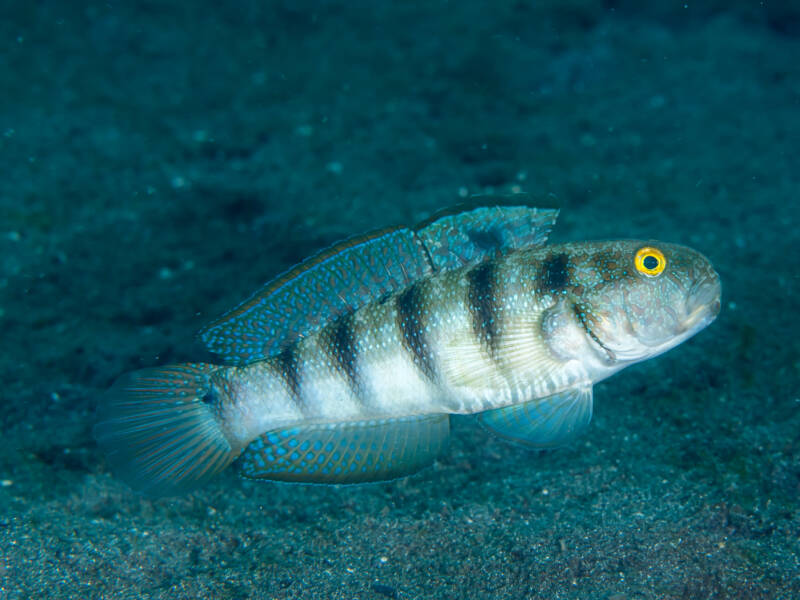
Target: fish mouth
[(702, 304), (701, 317), (701, 308)]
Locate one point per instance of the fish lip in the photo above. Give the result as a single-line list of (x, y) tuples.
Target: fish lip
[(698, 320), (701, 316), (702, 304), (702, 307)]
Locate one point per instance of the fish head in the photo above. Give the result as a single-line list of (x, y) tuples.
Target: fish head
[(634, 299)]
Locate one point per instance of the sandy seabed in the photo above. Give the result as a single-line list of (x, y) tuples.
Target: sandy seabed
[(162, 160)]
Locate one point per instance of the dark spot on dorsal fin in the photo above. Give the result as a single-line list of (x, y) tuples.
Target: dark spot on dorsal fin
[(554, 274), (486, 239)]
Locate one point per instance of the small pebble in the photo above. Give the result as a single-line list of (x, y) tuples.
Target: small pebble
[(385, 590)]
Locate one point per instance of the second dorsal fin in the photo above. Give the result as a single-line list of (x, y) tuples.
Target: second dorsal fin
[(305, 298), (359, 270)]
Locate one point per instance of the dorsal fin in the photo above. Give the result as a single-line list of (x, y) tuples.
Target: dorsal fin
[(303, 299), (359, 270), (455, 238)]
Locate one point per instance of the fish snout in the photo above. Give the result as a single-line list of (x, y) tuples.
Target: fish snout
[(703, 302)]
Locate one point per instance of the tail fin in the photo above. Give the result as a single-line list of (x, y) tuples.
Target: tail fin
[(159, 434)]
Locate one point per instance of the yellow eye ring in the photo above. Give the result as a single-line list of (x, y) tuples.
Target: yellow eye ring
[(650, 261)]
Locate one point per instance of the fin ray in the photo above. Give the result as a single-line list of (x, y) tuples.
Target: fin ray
[(544, 422), (158, 433), (469, 237), (308, 296), (362, 269), (467, 362), (345, 453)]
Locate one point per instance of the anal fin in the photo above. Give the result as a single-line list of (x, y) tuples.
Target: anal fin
[(544, 422), (350, 452)]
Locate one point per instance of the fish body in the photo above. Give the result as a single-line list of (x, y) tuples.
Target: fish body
[(346, 369)]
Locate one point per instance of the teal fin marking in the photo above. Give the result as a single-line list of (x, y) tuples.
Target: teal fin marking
[(307, 297), (545, 422), (158, 433), (362, 269), (352, 452), (454, 240)]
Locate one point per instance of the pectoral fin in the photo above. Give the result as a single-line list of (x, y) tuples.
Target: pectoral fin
[(544, 422)]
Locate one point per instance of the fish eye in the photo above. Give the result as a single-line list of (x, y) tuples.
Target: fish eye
[(650, 261)]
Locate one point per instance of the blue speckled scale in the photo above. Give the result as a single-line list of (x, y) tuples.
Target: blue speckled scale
[(362, 269), (354, 452), (308, 296)]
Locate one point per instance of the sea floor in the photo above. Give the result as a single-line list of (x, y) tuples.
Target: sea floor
[(162, 160)]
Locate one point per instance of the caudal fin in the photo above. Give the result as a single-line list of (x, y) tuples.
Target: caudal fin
[(159, 434)]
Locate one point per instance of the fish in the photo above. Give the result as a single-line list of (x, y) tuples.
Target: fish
[(347, 368)]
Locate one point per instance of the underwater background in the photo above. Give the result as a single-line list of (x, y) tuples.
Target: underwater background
[(161, 160)]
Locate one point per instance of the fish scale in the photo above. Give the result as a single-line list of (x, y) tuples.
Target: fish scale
[(346, 369)]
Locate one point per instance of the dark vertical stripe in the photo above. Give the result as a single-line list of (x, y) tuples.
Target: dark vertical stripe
[(554, 274), (410, 307), (483, 304), (341, 346), (287, 364)]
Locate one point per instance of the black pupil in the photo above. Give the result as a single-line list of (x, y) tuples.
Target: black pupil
[(650, 262)]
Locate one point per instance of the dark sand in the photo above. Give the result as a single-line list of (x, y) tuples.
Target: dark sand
[(159, 163)]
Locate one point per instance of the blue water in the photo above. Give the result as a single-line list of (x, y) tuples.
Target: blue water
[(163, 160)]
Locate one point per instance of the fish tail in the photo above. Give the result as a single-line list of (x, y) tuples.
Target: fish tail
[(159, 429)]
